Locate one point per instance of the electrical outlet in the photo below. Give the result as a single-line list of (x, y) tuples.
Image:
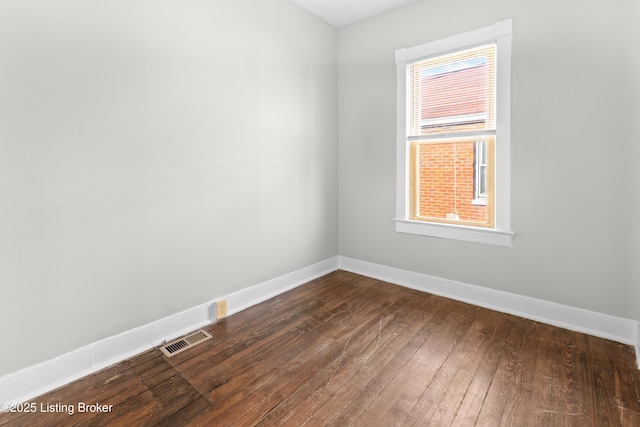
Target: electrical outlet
[(221, 309)]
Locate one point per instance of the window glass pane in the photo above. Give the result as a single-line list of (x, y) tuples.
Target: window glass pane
[(482, 187), (453, 92), (444, 175)]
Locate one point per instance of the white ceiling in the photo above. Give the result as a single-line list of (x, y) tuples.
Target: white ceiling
[(344, 12)]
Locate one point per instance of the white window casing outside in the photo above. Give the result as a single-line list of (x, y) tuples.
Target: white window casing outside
[(501, 233)]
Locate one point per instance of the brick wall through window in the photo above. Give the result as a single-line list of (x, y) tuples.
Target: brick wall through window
[(446, 179)]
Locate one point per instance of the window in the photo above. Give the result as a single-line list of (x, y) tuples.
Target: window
[(480, 173), (453, 165)]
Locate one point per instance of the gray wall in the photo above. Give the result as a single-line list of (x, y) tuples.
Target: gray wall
[(575, 137), (155, 155)]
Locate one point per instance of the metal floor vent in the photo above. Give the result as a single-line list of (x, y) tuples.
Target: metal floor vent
[(185, 343)]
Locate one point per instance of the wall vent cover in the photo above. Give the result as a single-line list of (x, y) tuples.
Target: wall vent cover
[(182, 344)]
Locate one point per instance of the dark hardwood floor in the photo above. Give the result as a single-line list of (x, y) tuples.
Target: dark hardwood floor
[(349, 350)]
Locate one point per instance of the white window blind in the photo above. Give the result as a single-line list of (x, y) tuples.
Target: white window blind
[(453, 92)]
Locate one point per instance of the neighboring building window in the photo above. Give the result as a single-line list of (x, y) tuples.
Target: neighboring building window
[(453, 137), (480, 173)]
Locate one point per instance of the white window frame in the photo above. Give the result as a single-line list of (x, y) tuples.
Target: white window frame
[(501, 234)]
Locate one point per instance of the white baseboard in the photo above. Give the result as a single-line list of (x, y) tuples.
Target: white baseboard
[(38, 379), (593, 323)]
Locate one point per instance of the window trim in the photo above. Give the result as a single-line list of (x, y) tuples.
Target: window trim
[(501, 234)]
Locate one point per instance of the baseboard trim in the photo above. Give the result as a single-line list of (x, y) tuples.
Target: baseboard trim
[(593, 323), (36, 380)]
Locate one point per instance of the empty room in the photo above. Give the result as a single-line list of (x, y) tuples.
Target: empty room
[(309, 212)]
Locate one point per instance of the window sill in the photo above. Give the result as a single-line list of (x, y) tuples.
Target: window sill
[(456, 232)]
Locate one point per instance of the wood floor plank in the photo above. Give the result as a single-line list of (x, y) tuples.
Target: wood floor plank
[(110, 386), (283, 344), (273, 378), (266, 393), (625, 380), (136, 410), (421, 369), (474, 398), (317, 397), (504, 381), (345, 349), (442, 397), (601, 379), (546, 401), (417, 388), (573, 396), (185, 415), (260, 375), (520, 374), (465, 390)]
